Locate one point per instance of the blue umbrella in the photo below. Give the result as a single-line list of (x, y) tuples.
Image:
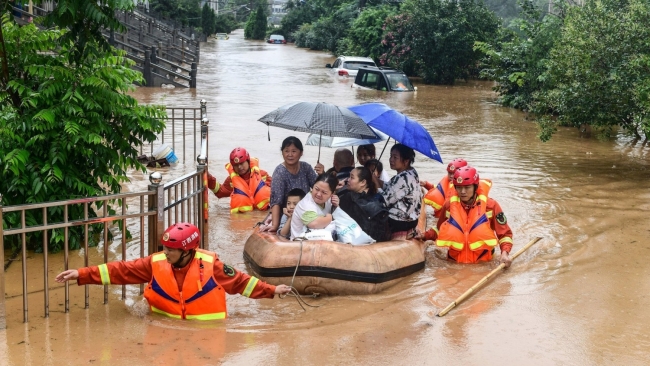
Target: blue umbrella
[(398, 126)]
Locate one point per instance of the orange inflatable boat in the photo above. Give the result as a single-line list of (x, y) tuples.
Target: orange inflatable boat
[(332, 268)]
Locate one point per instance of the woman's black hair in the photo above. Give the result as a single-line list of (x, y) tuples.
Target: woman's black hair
[(330, 179), (369, 148), (405, 152), (374, 165), (292, 140), (364, 173)]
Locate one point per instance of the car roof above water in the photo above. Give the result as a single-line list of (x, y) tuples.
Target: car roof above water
[(356, 58)]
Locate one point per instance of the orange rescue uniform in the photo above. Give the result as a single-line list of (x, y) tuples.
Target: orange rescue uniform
[(436, 196), (246, 191), (180, 295), (476, 217)]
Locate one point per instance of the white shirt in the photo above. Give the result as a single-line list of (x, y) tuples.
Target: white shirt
[(307, 204)]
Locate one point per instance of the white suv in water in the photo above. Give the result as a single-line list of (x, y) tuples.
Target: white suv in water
[(348, 65)]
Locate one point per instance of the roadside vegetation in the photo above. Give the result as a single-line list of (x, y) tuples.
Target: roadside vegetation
[(564, 64), (68, 128)]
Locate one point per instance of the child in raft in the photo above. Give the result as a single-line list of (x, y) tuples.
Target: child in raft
[(315, 210), (293, 198)]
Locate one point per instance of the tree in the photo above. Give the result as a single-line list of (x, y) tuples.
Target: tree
[(68, 128), (208, 20), (366, 33), (260, 23), (436, 37), (599, 70)]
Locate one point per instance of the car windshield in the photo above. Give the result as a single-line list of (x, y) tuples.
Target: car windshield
[(355, 65), (399, 82)]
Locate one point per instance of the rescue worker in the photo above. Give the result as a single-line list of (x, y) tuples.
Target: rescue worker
[(184, 282), (472, 223), (247, 185), (437, 195)]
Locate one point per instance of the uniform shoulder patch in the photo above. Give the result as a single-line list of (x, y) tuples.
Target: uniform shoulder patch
[(501, 218), (228, 270)]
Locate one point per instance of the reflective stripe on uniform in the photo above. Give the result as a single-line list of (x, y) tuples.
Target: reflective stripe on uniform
[(213, 316), (478, 244), (488, 214), (155, 310), (506, 239), (206, 257), (103, 273), (159, 257), (454, 199), (432, 204), (261, 205), (242, 209), (250, 287), (448, 243)]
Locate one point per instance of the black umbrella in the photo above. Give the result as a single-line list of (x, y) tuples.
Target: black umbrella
[(319, 118)]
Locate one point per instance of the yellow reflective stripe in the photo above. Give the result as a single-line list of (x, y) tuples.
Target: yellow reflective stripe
[(435, 228), (482, 197), (486, 182), (454, 199), (488, 214), (250, 287), (262, 204), (158, 257), (206, 257), (432, 204), (103, 273), (216, 188), (241, 209), (213, 316), (478, 244), (447, 214), (153, 309), (448, 243), (506, 239), (255, 169)]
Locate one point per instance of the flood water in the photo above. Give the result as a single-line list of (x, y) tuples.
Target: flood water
[(577, 297)]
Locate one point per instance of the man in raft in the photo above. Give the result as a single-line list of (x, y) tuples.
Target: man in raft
[(184, 282), (436, 196), (247, 185), (472, 224)]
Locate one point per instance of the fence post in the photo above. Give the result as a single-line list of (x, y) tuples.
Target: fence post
[(3, 314), (193, 73), (202, 167), (156, 203), (111, 38), (148, 77)]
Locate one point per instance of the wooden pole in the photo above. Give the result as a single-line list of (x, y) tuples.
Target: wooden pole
[(485, 279)]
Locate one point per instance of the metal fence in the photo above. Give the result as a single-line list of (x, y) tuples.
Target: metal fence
[(144, 215)]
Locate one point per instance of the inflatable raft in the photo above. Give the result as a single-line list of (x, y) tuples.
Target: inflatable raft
[(332, 268)]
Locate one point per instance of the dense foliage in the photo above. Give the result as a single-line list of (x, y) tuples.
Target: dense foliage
[(186, 12), (435, 38), (68, 128), (256, 24)]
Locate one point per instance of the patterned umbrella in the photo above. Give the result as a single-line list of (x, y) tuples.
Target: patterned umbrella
[(319, 118)]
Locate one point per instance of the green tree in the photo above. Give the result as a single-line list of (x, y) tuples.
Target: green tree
[(208, 20), (366, 33), (435, 38), (259, 23), (225, 23), (68, 128), (250, 25), (598, 71)]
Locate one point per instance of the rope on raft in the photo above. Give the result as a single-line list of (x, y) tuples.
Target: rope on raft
[(294, 291)]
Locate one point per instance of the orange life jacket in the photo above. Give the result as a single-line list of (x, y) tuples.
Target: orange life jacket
[(469, 233), (202, 297), (436, 197), (244, 195)]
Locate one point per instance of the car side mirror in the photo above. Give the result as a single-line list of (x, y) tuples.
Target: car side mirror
[(329, 66)]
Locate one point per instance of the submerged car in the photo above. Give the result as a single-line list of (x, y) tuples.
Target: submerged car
[(349, 65), (276, 38), (222, 36), (382, 78)]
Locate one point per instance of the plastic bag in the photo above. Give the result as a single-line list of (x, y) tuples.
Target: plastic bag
[(348, 230), (321, 234)]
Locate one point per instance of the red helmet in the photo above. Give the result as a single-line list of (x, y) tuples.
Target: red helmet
[(455, 164), (181, 236), (239, 155), (465, 176)]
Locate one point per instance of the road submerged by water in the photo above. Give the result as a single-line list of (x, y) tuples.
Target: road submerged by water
[(578, 297)]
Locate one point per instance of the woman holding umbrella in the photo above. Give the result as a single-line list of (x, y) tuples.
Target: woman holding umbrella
[(292, 173), (402, 193)]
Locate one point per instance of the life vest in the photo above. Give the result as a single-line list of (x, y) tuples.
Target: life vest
[(246, 196), (469, 232), (436, 197), (204, 302)]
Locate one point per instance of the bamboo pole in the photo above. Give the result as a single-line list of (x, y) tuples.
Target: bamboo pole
[(485, 279)]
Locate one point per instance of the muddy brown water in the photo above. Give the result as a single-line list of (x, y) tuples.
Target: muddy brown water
[(578, 297)]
